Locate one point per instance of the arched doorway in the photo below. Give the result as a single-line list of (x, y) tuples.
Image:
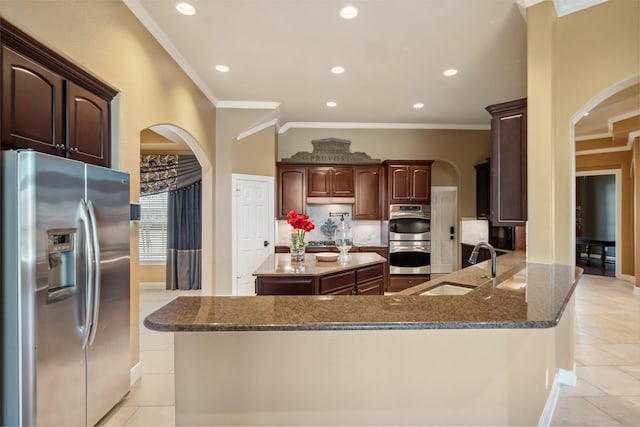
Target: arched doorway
[(604, 132), (181, 139)]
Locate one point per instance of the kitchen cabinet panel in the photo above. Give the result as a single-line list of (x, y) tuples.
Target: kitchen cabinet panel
[(330, 182), (291, 190), (51, 105), (409, 181), (401, 282), (32, 104), (368, 195), (88, 126), (483, 193), (509, 163)]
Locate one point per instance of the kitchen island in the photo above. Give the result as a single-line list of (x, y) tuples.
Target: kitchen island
[(361, 274), (494, 356)]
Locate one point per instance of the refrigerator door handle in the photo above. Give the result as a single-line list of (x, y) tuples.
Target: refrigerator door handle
[(96, 277), (89, 259)]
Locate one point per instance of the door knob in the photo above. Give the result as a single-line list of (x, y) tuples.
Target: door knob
[(266, 243)]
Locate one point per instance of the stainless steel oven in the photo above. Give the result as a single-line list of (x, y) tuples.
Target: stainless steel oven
[(409, 257), (410, 239)]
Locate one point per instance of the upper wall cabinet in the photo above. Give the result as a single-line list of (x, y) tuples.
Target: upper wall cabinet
[(291, 189), (51, 105), (408, 181), (368, 201), (32, 104), (509, 163), (330, 181)]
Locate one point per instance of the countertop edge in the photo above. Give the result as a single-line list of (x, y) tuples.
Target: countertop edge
[(342, 326)]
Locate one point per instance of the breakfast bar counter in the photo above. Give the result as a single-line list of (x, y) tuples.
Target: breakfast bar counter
[(493, 356), (523, 296)]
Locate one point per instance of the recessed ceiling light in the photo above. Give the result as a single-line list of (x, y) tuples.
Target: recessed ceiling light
[(450, 72), (186, 9), (222, 68), (418, 105), (331, 104), (586, 114), (348, 12), (337, 70)]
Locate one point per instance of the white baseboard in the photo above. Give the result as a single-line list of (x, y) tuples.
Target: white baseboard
[(563, 377), (136, 373)]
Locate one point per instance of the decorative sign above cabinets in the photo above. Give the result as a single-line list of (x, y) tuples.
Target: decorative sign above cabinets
[(331, 151)]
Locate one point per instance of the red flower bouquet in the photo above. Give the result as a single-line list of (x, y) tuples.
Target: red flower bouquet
[(301, 225)]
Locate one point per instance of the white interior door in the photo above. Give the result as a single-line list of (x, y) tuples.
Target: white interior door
[(253, 228), (444, 233)]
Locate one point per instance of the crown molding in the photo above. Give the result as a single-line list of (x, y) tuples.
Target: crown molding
[(364, 125), (258, 128), (632, 136), (621, 117), (139, 11), (593, 136), (250, 105)]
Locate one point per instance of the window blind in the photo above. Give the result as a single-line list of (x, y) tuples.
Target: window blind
[(152, 240)]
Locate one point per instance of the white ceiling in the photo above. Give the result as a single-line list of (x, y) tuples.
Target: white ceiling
[(394, 53), (280, 53)]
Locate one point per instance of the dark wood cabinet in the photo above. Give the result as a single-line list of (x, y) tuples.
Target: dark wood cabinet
[(32, 105), (291, 189), (383, 251), (368, 195), (88, 126), (509, 163), (330, 181), (409, 181), (483, 193), (368, 280), (291, 286), (51, 105), (399, 282)]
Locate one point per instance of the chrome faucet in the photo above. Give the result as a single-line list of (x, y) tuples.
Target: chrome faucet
[(474, 256)]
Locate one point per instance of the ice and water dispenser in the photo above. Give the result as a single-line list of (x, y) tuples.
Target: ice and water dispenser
[(61, 258)]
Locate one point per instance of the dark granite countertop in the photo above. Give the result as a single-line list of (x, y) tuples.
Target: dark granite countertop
[(507, 304)]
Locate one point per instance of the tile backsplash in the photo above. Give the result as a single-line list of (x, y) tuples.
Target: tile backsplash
[(364, 232)]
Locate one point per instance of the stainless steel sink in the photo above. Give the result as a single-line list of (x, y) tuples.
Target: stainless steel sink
[(448, 288)]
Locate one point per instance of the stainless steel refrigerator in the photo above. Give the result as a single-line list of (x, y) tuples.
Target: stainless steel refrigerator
[(65, 290)]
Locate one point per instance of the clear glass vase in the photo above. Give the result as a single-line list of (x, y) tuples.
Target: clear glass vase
[(344, 240), (297, 246)]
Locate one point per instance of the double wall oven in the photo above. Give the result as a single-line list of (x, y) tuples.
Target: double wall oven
[(410, 239)]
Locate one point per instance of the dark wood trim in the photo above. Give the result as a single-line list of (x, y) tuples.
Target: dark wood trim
[(26, 45), (507, 106), (407, 162)]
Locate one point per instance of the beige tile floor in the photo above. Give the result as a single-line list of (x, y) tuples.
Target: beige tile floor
[(607, 357)]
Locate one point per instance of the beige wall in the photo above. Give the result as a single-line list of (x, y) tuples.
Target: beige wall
[(571, 60), (454, 150), (153, 273), (229, 124), (255, 154), (105, 38)]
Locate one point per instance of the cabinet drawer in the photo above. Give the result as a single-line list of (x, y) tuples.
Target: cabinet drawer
[(374, 287), (368, 273), (399, 283), (345, 291), (337, 281), (288, 286)]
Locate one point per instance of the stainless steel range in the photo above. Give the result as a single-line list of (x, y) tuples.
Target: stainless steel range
[(410, 239)]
